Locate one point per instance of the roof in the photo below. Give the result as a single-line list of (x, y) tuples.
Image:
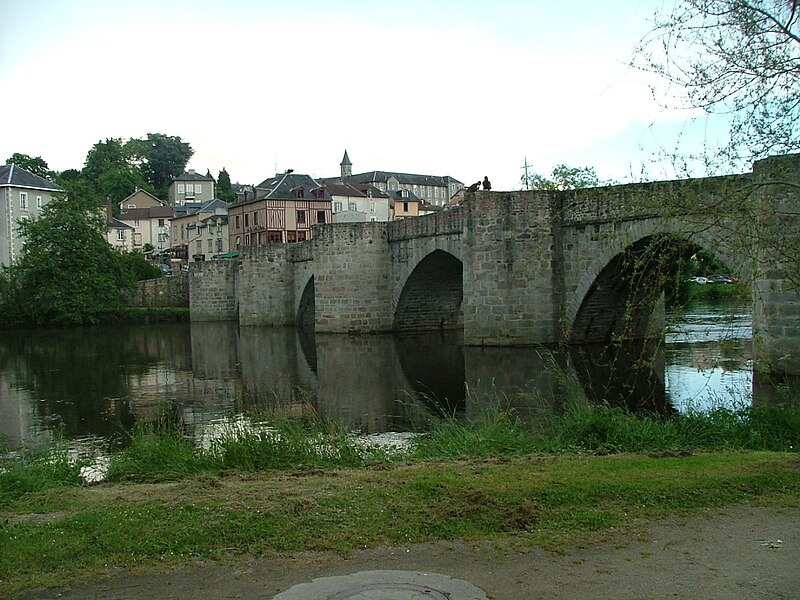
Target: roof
[(346, 160), (283, 186), (193, 176), (13, 176), (404, 178), (117, 224), (337, 187), (140, 190), (155, 212), (191, 208)]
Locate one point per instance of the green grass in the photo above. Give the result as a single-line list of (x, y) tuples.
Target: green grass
[(37, 470), (307, 485), (537, 499), (584, 428)]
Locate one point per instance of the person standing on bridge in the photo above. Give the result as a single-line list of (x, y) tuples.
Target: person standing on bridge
[(487, 185)]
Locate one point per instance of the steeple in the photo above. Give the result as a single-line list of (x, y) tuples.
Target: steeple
[(346, 165)]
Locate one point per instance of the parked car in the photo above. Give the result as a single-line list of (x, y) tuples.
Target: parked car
[(700, 280), (165, 269), (721, 279), (185, 268)]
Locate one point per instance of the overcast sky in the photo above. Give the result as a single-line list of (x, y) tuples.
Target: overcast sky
[(461, 88)]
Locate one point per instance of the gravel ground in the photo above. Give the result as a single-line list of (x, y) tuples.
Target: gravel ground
[(739, 553)]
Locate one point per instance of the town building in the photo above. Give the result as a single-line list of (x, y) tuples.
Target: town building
[(191, 187), (357, 203), (148, 219), (428, 189), (281, 209), (200, 231), (22, 196)]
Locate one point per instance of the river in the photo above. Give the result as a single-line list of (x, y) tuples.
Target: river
[(93, 384)]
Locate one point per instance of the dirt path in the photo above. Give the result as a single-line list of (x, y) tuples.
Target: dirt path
[(735, 554)]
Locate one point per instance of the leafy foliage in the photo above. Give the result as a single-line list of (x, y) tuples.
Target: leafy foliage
[(224, 188), (739, 58), (160, 159), (66, 269), (562, 178), (33, 164), (109, 171)]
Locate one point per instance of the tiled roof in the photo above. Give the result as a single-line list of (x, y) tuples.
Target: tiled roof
[(191, 208), (336, 187), (282, 186), (117, 224), (155, 212), (13, 176), (404, 178), (188, 176)]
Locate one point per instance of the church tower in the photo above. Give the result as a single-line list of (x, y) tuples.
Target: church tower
[(346, 165)]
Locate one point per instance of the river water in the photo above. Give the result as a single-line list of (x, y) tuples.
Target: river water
[(93, 384)]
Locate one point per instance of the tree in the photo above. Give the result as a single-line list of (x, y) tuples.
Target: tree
[(562, 178), (66, 271), (739, 58), (160, 158), (110, 172), (33, 164), (224, 188)]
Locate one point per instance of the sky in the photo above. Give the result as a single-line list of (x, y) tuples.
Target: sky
[(437, 87)]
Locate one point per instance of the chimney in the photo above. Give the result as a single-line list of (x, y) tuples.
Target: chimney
[(191, 172)]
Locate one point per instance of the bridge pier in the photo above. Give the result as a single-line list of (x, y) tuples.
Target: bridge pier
[(512, 269), (776, 284)]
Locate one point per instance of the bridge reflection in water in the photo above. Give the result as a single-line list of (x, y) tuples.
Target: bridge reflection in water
[(99, 382)]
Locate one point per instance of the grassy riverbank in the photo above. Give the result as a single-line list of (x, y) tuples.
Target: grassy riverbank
[(313, 487)]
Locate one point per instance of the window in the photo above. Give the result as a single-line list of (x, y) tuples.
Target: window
[(320, 216), (181, 188), (246, 220), (137, 239), (183, 229), (372, 206), (337, 207), (210, 245), (198, 188), (38, 202), (161, 222), (255, 219), (237, 221), (247, 240), (238, 242), (131, 206), (405, 206), (23, 200), (352, 206), (219, 245), (121, 235), (301, 217), (136, 222), (372, 219), (199, 246)]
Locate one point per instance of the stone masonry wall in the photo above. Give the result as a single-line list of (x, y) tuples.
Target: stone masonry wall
[(351, 278), (776, 315), (265, 286), (212, 291), (511, 290), (162, 292)]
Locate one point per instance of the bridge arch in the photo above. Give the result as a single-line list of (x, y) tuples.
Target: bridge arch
[(432, 294), (616, 293), (305, 311)]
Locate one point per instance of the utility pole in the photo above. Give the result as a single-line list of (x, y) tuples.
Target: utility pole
[(525, 177)]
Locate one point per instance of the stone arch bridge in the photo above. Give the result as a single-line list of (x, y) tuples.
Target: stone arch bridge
[(529, 268)]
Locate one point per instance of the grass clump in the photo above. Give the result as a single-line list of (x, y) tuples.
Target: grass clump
[(162, 452), (36, 470), (604, 429)]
